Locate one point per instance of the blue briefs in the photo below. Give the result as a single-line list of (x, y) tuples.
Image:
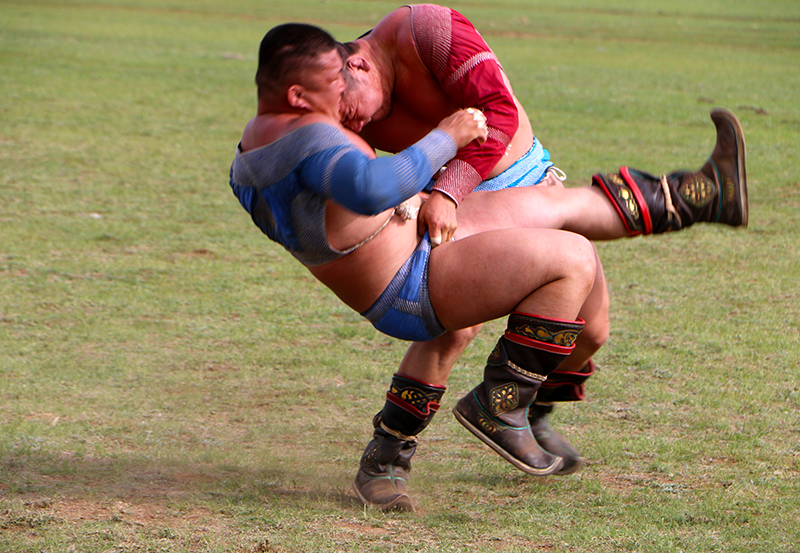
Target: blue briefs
[(528, 170), (404, 309)]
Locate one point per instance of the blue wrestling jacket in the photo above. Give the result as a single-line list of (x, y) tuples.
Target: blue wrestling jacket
[(285, 185)]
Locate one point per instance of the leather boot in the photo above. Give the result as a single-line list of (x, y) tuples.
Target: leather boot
[(496, 411), (560, 386), (717, 193), (553, 442), (383, 474)]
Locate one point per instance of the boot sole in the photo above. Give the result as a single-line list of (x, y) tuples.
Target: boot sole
[(577, 464), (552, 469), (730, 118)]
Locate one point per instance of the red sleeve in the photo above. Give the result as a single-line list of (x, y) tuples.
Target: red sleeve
[(471, 76)]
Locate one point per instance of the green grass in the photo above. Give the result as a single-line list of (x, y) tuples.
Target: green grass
[(172, 381)]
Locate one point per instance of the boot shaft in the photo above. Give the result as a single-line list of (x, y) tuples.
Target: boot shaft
[(410, 404), (409, 408), (717, 193), (564, 385), (679, 199), (531, 348)]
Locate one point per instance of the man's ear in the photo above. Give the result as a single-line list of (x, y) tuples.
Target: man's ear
[(358, 63), (295, 95)]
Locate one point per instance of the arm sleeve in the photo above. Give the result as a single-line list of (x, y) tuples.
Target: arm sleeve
[(470, 74), (370, 186)]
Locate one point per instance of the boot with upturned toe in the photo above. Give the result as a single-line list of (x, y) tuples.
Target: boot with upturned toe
[(717, 193), (496, 411)]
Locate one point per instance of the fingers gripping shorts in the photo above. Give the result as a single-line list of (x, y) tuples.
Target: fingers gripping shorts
[(404, 308)]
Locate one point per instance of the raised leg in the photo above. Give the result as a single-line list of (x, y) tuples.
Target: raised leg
[(717, 193)]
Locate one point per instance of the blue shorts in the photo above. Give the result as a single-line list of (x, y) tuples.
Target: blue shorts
[(404, 308), (528, 170)]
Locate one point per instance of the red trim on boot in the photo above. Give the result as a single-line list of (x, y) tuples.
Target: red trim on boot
[(433, 407), (646, 219), (598, 181), (572, 388), (582, 373), (538, 344), (530, 343)]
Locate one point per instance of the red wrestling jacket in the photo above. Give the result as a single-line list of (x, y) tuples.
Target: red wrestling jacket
[(471, 76)]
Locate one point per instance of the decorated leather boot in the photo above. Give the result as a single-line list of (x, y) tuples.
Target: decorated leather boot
[(717, 193), (496, 410), (382, 477), (553, 442), (560, 386)]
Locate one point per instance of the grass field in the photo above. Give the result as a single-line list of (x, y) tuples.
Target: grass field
[(172, 381)]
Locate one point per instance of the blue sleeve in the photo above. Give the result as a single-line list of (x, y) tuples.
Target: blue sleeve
[(370, 186)]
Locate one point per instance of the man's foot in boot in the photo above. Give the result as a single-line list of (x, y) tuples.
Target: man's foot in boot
[(496, 410), (725, 169), (386, 492), (515, 444), (385, 466), (717, 193), (384, 470), (551, 441)]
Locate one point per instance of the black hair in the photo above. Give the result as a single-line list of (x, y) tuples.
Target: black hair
[(287, 52)]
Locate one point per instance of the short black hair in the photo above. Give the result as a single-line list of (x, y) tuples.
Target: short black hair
[(287, 51)]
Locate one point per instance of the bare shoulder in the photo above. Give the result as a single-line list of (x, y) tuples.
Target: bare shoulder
[(388, 28), (267, 128), (405, 45), (310, 118)]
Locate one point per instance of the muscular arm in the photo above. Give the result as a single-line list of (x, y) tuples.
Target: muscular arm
[(471, 76), (370, 186)]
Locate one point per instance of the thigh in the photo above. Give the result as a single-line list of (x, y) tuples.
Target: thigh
[(524, 207), (583, 210), (487, 275)]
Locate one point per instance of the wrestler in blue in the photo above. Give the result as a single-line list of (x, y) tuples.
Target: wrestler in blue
[(290, 208), (319, 190)]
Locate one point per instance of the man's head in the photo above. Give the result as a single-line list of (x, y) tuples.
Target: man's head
[(300, 64), (368, 93)]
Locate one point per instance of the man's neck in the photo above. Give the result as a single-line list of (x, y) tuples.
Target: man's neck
[(380, 57)]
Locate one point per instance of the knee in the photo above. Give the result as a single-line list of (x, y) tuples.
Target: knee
[(595, 334), (458, 340), (582, 262)]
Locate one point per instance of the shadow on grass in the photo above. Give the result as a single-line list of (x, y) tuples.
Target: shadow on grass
[(143, 490)]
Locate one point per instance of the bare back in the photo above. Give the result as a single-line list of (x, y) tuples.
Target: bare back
[(418, 100)]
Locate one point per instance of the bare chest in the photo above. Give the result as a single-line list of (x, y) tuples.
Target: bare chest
[(418, 105)]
